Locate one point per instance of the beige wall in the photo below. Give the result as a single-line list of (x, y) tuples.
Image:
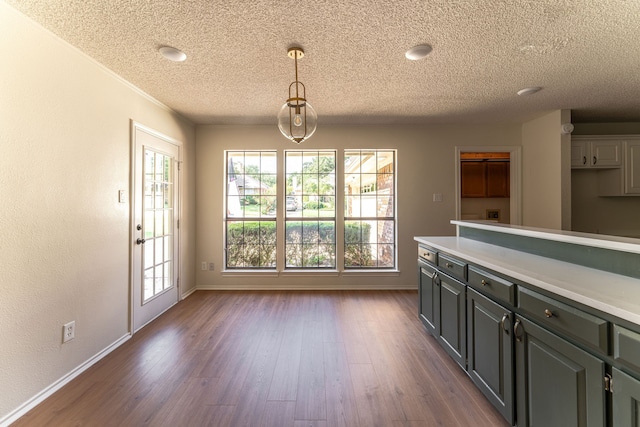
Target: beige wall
[(425, 164), (546, 172), (65, 138)]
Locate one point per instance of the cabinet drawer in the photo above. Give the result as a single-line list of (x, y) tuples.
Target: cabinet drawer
[(428, 254), (455, 267), (574, 322), (626, 347), (490, 284)]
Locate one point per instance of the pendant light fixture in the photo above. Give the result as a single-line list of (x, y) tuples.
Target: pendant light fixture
[(297, 119)]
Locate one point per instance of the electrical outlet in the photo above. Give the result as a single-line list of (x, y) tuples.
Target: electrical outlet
[(204, 266), (211, 266), (68, 331)]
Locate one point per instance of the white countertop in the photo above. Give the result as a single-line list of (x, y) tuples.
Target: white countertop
[(611, 293)]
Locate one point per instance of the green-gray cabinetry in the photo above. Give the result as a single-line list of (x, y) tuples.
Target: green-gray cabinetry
[(429, 296), (451, 326), (558, 383), (490, 350), (551, 321), (625, 388), (626, 400), (442, 304)]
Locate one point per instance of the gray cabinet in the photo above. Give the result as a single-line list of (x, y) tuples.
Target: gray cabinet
[(557, 316), (429, 293), (490, 351), (626, 389), (442, 306), (558, 383), (450, 324), (626, 400)]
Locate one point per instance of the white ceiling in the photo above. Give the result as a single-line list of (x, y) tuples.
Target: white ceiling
[(584, 53)]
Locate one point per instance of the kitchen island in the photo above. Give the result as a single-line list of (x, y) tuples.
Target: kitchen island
[(546, 323)]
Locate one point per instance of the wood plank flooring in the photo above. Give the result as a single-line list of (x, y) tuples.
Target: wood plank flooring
[(275, 359)]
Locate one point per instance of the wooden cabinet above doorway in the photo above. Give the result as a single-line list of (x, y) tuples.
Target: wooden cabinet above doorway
[(484, 174)]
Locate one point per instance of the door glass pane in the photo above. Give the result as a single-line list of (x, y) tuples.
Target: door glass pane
[(157, 223), (148, 283)]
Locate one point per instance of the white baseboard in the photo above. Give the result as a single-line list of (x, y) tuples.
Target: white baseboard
[(188, 293), (38, 398), (244, 287)]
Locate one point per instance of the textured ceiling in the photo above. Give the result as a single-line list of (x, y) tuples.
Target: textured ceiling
[(585, 54)]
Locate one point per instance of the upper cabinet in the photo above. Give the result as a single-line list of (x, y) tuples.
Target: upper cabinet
[(615, 159), (498, 176), (620, 180), (485, 177), (595, 152), (632, 166)]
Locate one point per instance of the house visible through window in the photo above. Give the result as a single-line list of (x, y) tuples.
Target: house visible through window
[(251, 209), (307, 196), (310, 228), (369, 209)]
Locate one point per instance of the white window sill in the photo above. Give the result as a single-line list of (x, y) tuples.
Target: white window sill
[(292, 272)]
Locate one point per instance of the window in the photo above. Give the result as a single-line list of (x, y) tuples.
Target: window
[(369, 209), (251, 209), (310, 228), (292, 223)]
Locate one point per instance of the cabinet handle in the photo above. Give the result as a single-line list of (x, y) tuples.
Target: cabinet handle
[(516, 330), (584, 160), (595, 160), (449, 265), (548, 313), (484, 282), (502, 323)]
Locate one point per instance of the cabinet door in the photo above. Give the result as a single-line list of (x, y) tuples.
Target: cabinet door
[(452, 325), (473, 179), (632, 167), (606, 153), (558, 384), (626, 400), (490, 351), (498, 179), (429, 297), (579, 154)]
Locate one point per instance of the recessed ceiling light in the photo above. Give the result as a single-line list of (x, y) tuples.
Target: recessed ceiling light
[(418, 52), (172, 54), (528, 90)]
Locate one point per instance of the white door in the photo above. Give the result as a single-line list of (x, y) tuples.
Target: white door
[(155, 239)]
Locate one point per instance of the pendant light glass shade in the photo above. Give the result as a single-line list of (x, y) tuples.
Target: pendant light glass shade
[(297, 120)]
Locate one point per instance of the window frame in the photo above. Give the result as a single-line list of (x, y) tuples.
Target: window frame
[(372, 190), (332, 247), (244, 219), (281, 217)]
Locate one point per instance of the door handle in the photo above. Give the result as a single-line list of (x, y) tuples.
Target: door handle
[(505, 328), (517, 332), (140, 241)]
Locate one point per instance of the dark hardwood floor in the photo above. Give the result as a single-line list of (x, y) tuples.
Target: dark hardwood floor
[(275, 358)]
